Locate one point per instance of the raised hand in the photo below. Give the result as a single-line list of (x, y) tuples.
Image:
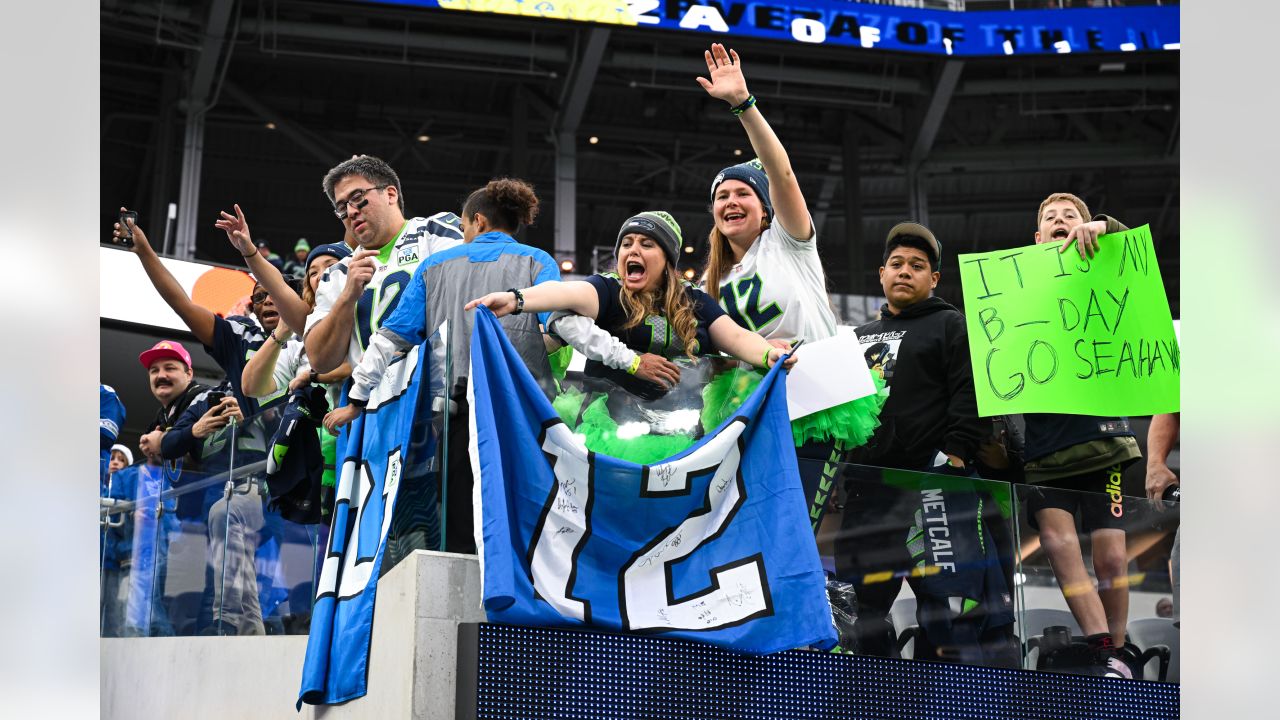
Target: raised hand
[(727, 82), (139, 237), (237, 230)]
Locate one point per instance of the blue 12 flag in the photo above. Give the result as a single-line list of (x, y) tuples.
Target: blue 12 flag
[(375, 453), (712, 544)]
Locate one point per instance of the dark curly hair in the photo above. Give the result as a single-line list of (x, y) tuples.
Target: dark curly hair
[(507, 203)]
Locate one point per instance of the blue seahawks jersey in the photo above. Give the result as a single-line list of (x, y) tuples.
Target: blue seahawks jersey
[(110, 420), (235, 340)]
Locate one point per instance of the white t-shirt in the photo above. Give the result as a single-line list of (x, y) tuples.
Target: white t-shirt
[(779, 290), (397, 260)]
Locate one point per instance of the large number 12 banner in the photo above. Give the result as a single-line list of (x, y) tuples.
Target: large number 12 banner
[(712, 544), (1053, 332)]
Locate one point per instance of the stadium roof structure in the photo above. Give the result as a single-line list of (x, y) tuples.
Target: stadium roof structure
[(205, 104)]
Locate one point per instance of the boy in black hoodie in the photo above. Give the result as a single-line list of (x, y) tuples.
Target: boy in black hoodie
[(920, 338), (929, 423)]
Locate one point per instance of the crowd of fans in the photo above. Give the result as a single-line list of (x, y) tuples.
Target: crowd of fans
[(324, 325)]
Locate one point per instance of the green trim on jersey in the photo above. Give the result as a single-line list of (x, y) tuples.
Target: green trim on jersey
[(384, 252)]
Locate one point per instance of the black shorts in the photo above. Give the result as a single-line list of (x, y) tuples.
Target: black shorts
[(1093, 497)]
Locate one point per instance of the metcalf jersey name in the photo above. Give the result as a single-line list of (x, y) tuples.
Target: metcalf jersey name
[(396, 262), (779, 289)]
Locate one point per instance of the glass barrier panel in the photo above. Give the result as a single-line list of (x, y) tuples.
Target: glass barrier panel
[(920, 564), (1096, 564), (200, 546), (420, 520)]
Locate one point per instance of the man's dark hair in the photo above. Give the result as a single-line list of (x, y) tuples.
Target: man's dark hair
[(373, 169), (911, 241)]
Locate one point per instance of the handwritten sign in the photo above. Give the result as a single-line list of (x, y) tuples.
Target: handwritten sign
[(1053, 332)]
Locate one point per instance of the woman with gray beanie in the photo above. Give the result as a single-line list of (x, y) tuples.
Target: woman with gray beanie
[(647, 306)]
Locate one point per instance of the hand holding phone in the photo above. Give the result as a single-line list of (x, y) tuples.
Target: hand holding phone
[(124, 235), (215, 398)]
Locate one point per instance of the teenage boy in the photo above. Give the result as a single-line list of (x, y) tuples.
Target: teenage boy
[(929, 423), (1076, 463)]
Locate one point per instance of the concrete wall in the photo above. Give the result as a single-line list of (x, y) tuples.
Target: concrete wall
[(412, 662)]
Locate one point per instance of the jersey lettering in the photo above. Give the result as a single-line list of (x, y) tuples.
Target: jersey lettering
[(741, 301), (659, 335), (377, 303)]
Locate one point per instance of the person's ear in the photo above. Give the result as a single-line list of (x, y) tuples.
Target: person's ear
[(935, 275)]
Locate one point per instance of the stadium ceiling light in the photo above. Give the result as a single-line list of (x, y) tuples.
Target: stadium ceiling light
[(688, 274), (566, 266), (424, 138), (593, 139), (737, 152), (271, 126), (688, 249)]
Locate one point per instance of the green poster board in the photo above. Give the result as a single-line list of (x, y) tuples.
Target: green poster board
[(1054, 333)]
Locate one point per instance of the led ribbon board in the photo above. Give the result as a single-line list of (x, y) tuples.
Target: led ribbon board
[(852, 24)]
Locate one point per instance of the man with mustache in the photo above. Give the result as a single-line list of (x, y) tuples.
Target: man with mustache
[(169, 375)]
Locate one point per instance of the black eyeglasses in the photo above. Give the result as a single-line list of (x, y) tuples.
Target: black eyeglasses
[(354, 199), (258, 298)]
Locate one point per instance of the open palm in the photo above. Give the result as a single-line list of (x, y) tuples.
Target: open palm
[(725, 69)]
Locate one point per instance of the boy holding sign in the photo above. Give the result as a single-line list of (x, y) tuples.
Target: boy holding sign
[(1071, 455)]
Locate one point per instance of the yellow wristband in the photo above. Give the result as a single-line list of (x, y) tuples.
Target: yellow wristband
[(635, 365)]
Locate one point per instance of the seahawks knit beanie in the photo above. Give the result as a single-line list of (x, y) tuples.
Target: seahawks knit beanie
[(752, 173), (658, 225)]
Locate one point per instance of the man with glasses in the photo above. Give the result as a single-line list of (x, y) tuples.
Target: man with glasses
[(362, 290)]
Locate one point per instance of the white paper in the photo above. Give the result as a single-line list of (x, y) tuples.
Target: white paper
[(827, 373)]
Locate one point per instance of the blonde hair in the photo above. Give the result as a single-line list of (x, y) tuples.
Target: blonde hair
[(674, 305), (1084, 209), (720, 259)]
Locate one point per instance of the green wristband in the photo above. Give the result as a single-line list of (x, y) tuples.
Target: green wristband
[(766, 358), (635, 365)]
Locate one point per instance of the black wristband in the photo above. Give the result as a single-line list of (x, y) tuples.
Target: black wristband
[(745, 106), (519, 301), (315, 376), (357, 402), (255, 252)]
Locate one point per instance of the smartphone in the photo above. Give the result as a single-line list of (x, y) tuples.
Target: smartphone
[(215, 397), (126, 239), (795, 346)]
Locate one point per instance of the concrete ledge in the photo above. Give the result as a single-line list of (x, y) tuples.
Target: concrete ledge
[(412, 663)]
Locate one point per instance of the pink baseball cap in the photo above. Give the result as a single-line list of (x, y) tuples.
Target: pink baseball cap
[(165, 349)]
